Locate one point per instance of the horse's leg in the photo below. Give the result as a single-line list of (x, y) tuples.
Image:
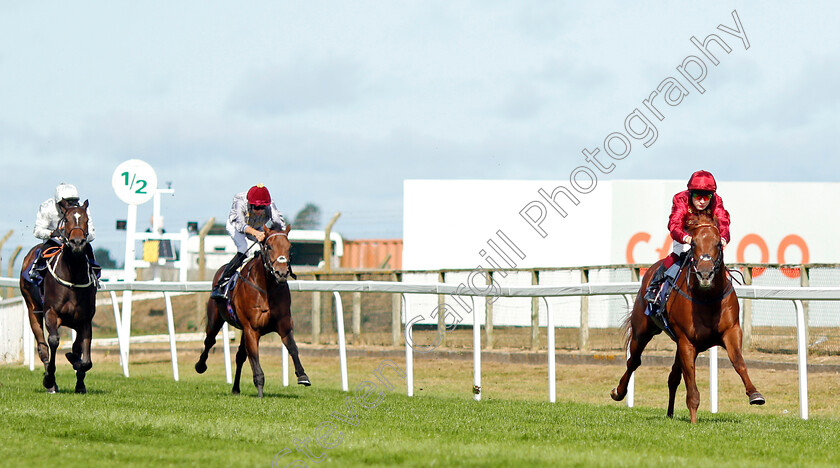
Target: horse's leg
[(674, 383), (81, 353), (214, 324), (687, 355), (241, 354), (52, 322), (641, 332), (36, 323), (732, 343), (251, 341), (291, 346)]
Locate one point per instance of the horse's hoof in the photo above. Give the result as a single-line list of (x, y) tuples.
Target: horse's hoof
[(615, 396), (756, 398), (200, 367), (53, 389), (81, 389), (49, 381), (304, 380), (235, 391)]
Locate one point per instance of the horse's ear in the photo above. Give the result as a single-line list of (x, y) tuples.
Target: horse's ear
[(288, 228), (85, 204)]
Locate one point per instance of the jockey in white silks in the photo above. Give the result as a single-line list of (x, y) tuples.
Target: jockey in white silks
[(249, 212), (50, 214)]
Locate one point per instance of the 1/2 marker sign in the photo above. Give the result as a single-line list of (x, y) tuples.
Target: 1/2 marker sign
[(134, 182)]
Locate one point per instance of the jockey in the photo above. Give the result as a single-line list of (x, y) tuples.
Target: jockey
[(699, 198), (50, 214), (249, 213)]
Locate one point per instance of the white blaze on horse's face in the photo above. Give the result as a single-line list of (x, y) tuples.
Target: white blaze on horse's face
[(77, 216)]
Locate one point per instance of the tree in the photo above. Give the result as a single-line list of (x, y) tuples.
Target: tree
[(308, 218), (103, 257)]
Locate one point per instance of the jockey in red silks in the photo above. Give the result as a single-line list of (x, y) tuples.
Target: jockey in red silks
[(699, 198)]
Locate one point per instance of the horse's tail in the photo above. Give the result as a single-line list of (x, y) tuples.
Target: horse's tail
[(626, 324), (625, 328)]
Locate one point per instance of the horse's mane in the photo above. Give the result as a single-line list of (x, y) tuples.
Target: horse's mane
[(698, 219)]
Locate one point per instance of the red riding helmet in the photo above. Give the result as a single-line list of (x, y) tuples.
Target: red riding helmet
[(702, 181), (258, 195)]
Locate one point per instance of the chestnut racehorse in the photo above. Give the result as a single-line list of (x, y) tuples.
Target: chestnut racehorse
[(69, 297), (261, 304), (702, 311)]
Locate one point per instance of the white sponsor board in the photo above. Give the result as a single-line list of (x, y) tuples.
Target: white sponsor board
[(457, 224), (448, 223)]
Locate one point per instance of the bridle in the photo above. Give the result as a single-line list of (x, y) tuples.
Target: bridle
[(62, 226), (269, 264), (718, 261)]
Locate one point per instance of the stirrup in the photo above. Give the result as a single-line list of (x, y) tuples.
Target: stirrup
[(219, 291), (652, 295)]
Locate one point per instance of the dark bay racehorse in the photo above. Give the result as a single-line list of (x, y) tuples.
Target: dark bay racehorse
[(261, 302), (702, 311), (69, 297)]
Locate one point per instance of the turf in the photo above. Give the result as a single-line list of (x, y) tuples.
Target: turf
[(149, 420)]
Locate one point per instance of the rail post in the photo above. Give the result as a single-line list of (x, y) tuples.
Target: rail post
[(805, 281), (584, 313), (535, 313), (488, 314), (357, 313)]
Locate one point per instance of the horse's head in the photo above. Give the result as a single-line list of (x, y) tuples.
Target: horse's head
[(276, 257), (74, 227), (706, 249)]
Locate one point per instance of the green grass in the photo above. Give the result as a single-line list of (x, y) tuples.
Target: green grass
[(149, 420)]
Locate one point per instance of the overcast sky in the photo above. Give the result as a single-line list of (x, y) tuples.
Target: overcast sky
[(337, 103)]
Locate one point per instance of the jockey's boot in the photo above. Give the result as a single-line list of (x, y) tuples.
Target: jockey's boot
[(219, 289), (95, 268), (652, 293)]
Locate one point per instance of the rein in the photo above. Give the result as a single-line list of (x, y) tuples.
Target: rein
[(716, 269), (57, 257)]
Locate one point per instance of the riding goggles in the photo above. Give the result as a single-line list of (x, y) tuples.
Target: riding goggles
[(702, 195)]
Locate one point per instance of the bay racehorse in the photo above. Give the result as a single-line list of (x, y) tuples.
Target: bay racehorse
[(69, 297), (259, 303), (702, 311)]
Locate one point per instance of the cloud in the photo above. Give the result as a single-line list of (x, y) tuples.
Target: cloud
[(298, 86)]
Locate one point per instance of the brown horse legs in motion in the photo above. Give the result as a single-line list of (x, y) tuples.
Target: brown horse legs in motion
[(248, 348), (261, 304)]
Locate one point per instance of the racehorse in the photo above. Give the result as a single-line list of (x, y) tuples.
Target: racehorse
[(703, 312), (259, 303), (69, 297)]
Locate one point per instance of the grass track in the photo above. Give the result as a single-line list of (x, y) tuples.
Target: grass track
[(150, 420)]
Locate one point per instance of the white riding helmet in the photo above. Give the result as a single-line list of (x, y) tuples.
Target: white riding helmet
[(66, 192)]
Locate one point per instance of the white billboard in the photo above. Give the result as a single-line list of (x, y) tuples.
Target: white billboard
[(535, 224)]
